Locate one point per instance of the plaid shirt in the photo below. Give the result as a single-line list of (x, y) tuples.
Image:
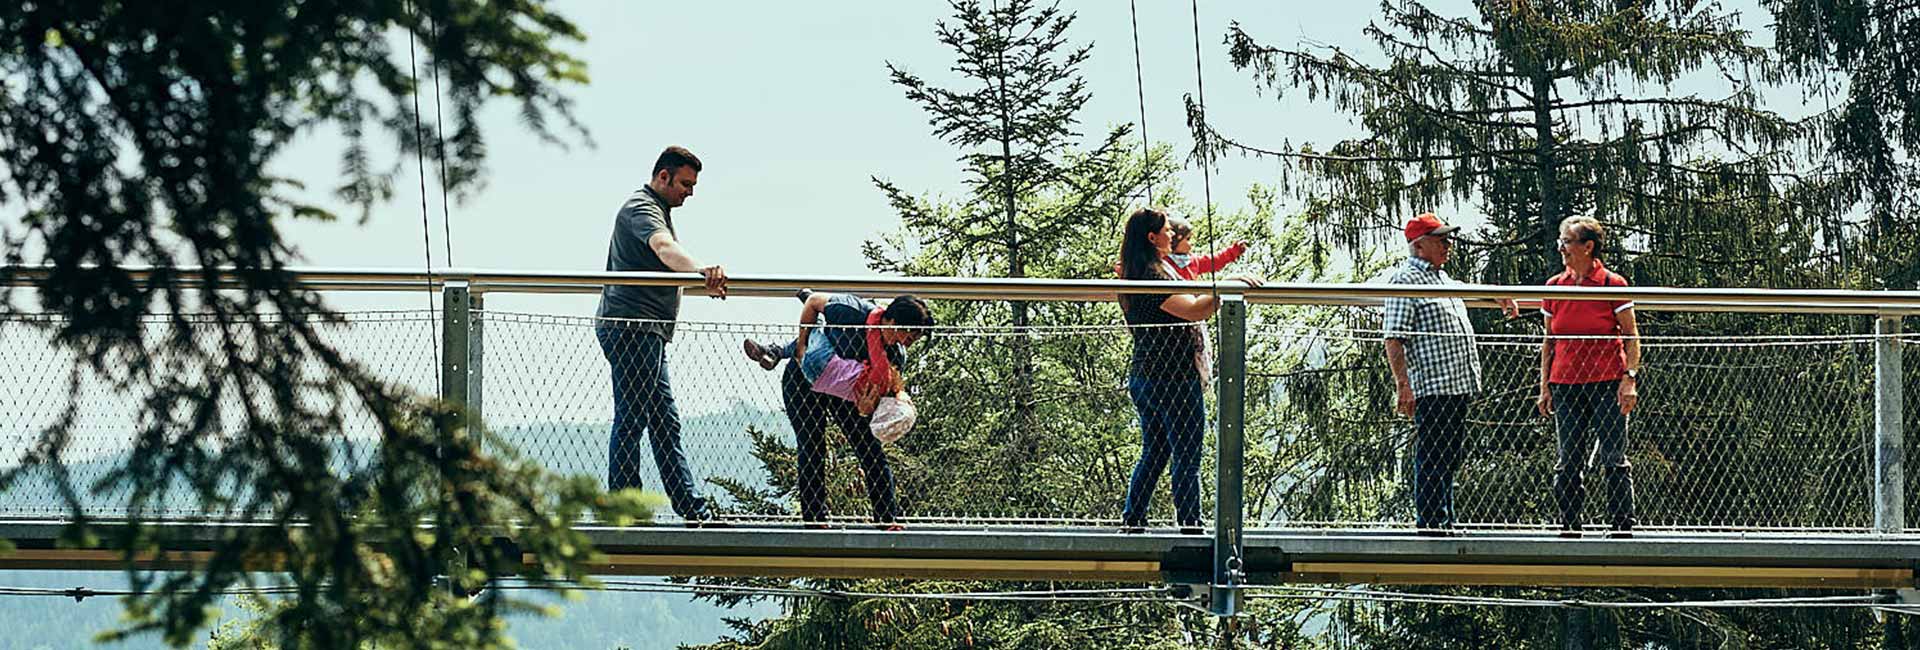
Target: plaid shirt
[(1441, 359)]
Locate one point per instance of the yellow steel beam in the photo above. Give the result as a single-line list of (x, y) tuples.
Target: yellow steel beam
[(880, 567), (1611, 575), (1112, 571)]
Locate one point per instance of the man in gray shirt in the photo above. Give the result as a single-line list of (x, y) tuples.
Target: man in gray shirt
[(636, 325)]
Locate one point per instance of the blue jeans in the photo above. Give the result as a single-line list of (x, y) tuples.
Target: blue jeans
[(1439, 447), (819, 352), (781, 350), (1173, 418), (1589, 420), (643, 401)]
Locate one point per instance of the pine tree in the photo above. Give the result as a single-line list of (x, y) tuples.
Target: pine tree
[(1536, 110), (1013, 115), (144, 133), (1856, 55)]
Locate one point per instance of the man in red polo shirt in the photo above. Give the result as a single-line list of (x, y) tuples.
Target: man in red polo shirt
[(1589, 379)]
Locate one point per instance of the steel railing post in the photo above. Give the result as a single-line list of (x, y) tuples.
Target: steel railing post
[(1230, 475), (1889, 431), (456, 341)]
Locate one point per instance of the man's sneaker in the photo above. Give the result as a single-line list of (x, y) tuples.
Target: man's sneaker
[(1621, 531), (759, 354)]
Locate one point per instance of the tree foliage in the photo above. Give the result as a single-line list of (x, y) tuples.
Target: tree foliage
[(144, 133), (1534, 111), (1855, 55)]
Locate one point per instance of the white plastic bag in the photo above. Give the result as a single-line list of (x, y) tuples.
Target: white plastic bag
[(893, 418)]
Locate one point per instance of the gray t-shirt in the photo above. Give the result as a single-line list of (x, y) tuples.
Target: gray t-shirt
[(639, 218)]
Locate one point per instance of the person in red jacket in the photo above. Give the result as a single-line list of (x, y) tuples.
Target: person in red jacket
[(1190, 266)]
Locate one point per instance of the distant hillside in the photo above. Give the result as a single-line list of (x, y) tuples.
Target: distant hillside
[(602, 621), (716, 445)]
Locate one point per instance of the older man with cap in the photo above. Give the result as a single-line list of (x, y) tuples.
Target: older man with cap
[(1436, 371)]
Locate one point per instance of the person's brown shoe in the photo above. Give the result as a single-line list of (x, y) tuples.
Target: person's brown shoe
[(759, 354)]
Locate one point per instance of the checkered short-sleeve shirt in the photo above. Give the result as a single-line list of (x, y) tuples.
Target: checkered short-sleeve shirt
[(1441, 359)]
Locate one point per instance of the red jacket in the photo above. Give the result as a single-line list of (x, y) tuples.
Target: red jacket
[(1198, 265)]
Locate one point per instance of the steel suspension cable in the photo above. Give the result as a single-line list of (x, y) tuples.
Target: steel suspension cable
[(420, 159), (1140, 91)]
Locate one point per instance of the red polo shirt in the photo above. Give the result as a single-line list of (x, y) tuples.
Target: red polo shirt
[(1586, 360)]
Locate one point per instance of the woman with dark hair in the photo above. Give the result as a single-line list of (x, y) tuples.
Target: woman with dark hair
[(1165, 377)]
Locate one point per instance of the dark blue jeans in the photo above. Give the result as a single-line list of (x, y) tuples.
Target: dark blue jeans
[(1590, 424), (643, 403), (1439, 447), (1173, 418), (809, 412)]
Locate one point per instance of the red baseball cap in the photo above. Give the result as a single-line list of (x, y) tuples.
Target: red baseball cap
[(1427, 224)]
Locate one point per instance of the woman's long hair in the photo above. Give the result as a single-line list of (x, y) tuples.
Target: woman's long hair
[(1139, 260)]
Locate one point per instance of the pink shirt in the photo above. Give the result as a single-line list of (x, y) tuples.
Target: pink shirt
[(839, 377)]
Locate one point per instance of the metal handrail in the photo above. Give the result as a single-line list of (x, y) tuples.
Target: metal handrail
[(1840, 301)]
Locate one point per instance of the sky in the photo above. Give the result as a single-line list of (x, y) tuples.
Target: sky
[(790, 107)]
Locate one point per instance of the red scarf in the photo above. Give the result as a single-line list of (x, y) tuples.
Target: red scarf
[(879, 370)]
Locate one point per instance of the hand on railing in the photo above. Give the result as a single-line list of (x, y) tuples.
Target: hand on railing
[(716, 281), (1510, 307)]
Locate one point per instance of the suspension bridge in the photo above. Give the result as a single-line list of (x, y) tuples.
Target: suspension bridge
[(1773, 460)]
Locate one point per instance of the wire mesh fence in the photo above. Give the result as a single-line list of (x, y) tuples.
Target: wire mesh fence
[(779, 442), (1735, 433), (50, 389), (1066, 423)]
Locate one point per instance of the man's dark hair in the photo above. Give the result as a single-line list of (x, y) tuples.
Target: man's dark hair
[(908, 311), (673, 159)]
